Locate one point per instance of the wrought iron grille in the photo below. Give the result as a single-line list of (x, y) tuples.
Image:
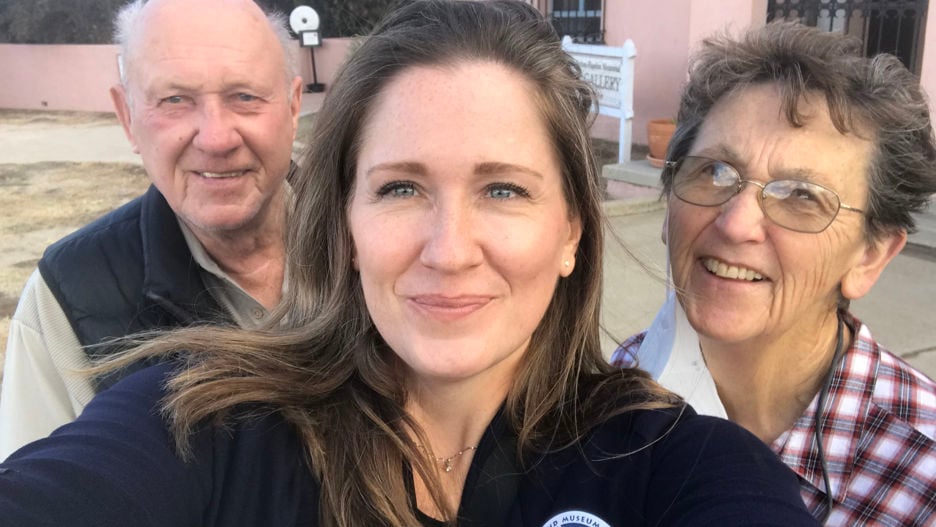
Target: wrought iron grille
[(885, 26), (580, 19)]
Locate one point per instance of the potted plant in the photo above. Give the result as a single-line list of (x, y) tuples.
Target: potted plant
[(659, 132)]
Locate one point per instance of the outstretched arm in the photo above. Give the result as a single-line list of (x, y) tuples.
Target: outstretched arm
[(114, 466)]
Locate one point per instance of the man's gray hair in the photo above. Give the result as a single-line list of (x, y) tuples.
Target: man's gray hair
[(128, 18)]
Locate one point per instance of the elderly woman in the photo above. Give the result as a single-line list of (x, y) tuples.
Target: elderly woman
[(790, 182), (437, 361)]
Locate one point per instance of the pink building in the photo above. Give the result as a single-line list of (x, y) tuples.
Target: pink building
[(666, 31), (76, 77)]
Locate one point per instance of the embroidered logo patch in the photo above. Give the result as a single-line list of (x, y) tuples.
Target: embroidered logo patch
[(576, 519)]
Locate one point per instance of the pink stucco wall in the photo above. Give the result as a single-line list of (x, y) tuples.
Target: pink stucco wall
[(928, 65), (74, 77), (77, 77), (328, 59), (665, 33)]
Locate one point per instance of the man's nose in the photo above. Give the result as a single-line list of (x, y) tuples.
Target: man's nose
[(217, 131)]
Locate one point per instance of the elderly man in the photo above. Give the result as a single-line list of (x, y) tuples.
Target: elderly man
[(210, 100)]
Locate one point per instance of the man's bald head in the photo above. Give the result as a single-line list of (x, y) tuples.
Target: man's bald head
[(140, 20)]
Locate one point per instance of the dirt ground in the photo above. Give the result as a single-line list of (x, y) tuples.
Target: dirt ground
[(41, 202)]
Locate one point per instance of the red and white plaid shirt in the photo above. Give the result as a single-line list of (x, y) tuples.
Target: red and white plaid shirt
[(879, 435)]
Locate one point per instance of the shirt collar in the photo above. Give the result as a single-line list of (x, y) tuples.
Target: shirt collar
[(846, 409)]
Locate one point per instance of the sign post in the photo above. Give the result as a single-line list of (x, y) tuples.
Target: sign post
[(611, 71), (304, 21)]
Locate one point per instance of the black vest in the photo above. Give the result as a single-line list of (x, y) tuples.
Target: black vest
[(126, 272)]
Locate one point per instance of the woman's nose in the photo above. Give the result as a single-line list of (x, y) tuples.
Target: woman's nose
[(452, 243), (741, 218)]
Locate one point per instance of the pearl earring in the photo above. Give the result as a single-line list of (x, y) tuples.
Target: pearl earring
[(566, 263)]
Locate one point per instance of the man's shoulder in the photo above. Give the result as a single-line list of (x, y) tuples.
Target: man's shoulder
[(114, 223)]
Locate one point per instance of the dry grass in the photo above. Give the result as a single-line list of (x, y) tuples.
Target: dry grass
[(41, 202)]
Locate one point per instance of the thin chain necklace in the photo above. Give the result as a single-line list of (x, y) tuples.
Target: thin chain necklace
[(447, 461)]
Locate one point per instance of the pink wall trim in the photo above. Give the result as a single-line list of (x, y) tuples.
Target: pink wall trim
[(77, 77)]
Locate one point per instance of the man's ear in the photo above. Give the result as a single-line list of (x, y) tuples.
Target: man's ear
[(122, 107), (295, 103), (877, 254)]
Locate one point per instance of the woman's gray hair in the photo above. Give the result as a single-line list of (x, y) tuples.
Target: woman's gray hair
[(875, 96), (128, 18)]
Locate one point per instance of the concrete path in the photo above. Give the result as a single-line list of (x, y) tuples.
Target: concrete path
[(36, 142)]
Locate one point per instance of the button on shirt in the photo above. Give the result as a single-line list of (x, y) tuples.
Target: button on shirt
[(879, 437)]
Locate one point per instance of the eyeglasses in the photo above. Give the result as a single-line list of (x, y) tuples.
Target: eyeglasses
[(793, 204)]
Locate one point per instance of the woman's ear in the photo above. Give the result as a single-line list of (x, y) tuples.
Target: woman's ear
[(567, 265), (877, 254)]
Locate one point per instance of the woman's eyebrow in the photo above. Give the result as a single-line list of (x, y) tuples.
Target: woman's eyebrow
[(496, 167), (407, 167)]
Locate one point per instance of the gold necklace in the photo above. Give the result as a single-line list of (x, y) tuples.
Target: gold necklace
[(447, 461)]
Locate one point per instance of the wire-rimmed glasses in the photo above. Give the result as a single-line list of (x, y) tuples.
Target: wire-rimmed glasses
[(794, 204)]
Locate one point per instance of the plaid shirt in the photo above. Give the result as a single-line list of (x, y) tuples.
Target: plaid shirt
[(879, 436)]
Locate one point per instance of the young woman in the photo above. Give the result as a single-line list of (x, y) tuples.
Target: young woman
[(437, 361)]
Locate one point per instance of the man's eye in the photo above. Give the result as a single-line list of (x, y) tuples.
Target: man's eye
[(246, 97), (507, 191), (397, 189), (173, 99)]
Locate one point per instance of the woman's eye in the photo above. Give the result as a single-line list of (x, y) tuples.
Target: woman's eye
[(507, 191), (397, 189), (803, 194), (722, 175)]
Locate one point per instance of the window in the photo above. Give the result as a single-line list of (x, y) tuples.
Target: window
[(885, 26), (580, 19)]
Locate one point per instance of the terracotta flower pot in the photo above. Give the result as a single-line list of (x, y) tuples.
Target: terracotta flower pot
[(659, 132)]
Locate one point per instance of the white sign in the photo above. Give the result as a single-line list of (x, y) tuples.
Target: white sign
[(310, 39), (611, 71)]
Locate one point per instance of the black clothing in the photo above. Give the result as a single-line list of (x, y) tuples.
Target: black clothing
[(116, 466), (128, 271)]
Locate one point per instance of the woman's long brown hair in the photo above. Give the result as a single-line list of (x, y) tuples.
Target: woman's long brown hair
[(322, 365)]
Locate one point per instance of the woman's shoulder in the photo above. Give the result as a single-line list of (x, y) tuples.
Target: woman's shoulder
[(679, 431), (123, 444), (685, 460)]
